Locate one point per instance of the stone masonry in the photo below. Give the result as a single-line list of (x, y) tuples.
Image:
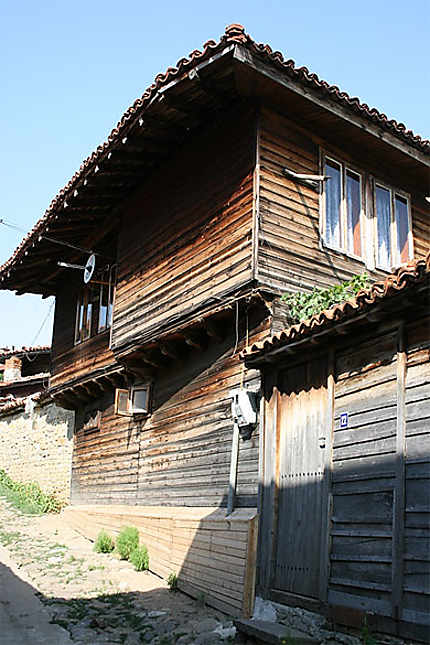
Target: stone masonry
[(36, 445)]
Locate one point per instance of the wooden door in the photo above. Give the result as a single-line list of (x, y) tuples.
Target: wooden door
[(302, 439)]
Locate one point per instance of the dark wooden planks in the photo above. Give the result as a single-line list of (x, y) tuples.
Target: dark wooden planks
[(186, 236), (180, 455)]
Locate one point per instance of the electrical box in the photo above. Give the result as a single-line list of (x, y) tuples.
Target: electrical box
[(243, 407)]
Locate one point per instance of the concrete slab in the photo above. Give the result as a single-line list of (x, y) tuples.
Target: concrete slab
[(273, 633)]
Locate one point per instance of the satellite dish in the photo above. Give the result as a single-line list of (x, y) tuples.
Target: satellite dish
[(89, 268)]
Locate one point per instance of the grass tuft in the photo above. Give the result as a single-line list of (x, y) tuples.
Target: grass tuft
[(127, 541), (139, 558), (104, 543)]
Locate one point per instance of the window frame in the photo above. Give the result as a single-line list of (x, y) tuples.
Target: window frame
[(394, 250), (132, 412), (345, 167), (368, 216), (94, 323)]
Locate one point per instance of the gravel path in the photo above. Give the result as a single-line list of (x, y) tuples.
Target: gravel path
[(97, 598)]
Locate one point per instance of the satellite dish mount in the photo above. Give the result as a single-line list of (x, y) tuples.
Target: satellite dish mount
[(89, 268)]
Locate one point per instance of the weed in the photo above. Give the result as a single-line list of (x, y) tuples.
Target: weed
[(172, 581), (94, 567), (104, 543), (28, 497), (9, 538), (59, 621), (201, 598), (127, 541), (304, 305), (367, 637), (139, 558)]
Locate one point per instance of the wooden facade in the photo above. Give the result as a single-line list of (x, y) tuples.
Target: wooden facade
[(189, 206), (290, 253), (345, 513)]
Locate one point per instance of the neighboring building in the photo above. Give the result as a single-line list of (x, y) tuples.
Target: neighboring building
[(205, 204), (36, 436), (24, 371)]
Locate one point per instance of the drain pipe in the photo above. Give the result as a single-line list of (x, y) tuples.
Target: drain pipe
[(244, 413), (233, 469)]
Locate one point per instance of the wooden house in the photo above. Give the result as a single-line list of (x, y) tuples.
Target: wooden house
[(24, 371), (345, 512), (234, 178)]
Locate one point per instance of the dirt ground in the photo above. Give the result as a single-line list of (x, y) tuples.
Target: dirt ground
[(98, 598)]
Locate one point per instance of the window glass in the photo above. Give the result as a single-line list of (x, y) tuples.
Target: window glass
[(122, 402), (353, 211), (112, 281), (333, 197), (87, 325), (95, 306), (103, 306), (80, 318), (383, 218), (140, 399), (402, 227)]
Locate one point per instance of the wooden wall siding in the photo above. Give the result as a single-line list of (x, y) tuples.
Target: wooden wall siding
[(289, 254), (70, 361), (186, 238), (378, 494), (421, 229), (180, 455), (210, 554), (364, 476), (380, 553), (105, 460), (416, 568)]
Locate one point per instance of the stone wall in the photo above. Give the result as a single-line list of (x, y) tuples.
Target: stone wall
[(36, 445)]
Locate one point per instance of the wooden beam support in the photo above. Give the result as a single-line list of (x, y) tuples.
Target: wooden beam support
[(194, 340), (167, 349), (213, 330)]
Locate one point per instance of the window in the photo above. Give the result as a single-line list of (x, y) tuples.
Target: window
[(95, 306), (343, 207), (386, 241), (393, 231), (132, 401)]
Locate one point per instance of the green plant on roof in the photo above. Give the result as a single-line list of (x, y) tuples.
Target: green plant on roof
[(127, 541), (304, 305)]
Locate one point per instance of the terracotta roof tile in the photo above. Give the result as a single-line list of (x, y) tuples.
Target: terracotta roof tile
[(5, 352), (404, 277), (233, 33), (10, 403)]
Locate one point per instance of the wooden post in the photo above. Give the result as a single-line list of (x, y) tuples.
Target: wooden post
[(327, 494), (267, 518), (233, 469), (399, 483)]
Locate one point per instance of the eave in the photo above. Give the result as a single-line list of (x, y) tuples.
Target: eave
[(405, 294), (173, 109)]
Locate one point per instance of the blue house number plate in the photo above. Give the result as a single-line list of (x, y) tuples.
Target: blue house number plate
[(344, 420)]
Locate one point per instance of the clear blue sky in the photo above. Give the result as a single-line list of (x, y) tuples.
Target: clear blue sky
[(70, 69)]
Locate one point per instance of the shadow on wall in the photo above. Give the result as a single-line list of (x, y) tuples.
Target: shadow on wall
[(180, 455), (353, 538)]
